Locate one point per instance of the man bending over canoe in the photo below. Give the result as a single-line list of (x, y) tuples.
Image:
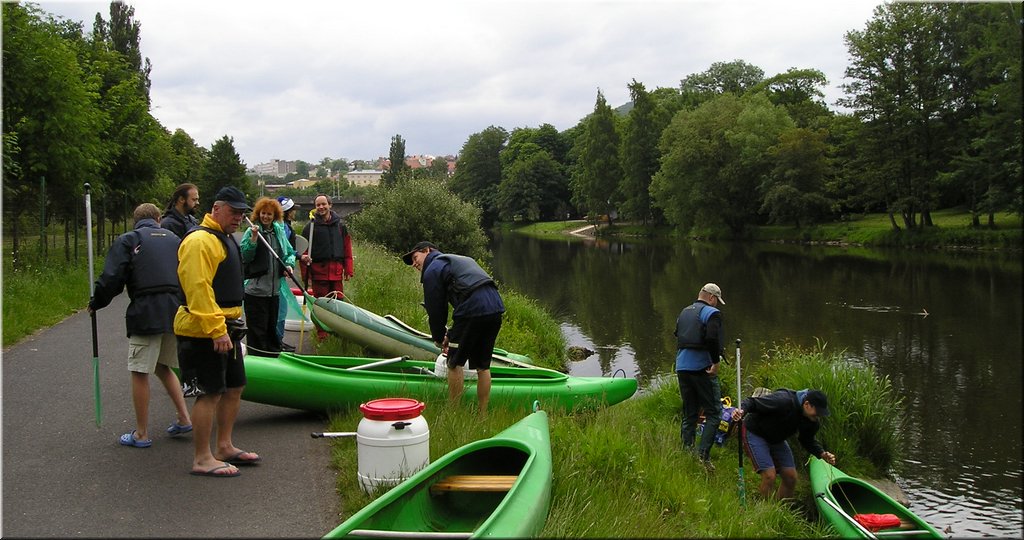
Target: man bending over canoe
[(476, 316), (771, 419)]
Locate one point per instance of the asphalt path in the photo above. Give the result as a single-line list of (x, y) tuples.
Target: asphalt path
[(65, 477)]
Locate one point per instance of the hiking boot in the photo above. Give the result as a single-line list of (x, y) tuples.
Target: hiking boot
[(708, 466)]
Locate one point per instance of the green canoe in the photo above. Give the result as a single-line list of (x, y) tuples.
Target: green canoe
[(840, 497), (386, 335), (491, 488), (319, 383)]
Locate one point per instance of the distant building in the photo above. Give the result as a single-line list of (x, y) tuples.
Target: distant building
[(364, 177), (302, 183), (274, 167)]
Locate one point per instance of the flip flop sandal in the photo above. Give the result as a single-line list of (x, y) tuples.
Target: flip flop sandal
[(177, 429), (128, 439), (236, 459), (213, 472)]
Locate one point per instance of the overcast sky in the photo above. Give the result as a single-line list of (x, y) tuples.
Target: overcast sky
[(308, 79)]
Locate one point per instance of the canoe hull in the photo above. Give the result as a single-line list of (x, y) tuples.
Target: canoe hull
[(855, 496), (523, 450), (381, 334), (320, 383)]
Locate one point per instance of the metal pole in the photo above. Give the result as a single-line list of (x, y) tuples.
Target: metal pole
[(95, 344)]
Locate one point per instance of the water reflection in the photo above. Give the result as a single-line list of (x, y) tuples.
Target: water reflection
[(945, 328)]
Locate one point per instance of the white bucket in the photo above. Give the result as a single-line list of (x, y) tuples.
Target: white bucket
[(393, 442), (441, 369), (293, 319)]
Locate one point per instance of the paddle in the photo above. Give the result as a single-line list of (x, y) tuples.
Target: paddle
[(309, 298), (739, 428), (843, 513), (92, 313), (378, 364), (305, 275)]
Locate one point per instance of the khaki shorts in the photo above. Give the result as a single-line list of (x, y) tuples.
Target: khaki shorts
[(145, 352)]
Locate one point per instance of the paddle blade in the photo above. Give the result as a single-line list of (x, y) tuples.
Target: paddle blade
[(96, 389)]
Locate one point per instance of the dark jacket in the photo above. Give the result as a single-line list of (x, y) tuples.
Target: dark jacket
[(145, 260), (778, 416), (331, 241), (178, 223), (459, 281)]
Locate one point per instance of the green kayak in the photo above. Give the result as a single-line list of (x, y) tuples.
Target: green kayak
[(319, 383), (841, 499), (386, 335), (491, 488)]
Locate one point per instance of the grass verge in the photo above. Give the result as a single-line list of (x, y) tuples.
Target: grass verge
[(620, 471)]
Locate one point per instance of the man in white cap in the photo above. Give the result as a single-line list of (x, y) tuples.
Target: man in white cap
[(700, 344)]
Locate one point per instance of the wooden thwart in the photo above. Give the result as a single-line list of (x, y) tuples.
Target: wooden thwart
[(475, 482)]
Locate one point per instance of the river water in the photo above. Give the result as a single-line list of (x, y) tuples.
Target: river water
[(945, 327)]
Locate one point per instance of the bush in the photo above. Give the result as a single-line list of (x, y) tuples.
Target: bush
[(866, 415), (420, 209)]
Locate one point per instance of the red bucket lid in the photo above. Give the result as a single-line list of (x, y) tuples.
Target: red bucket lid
[(392, 409)]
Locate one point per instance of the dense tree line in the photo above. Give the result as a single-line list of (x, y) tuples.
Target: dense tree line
[(76, 109), (934, 95)]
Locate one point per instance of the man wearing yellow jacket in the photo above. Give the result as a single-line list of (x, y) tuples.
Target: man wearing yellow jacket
[(209, 330)]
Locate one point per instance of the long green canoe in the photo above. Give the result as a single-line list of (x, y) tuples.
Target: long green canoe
[(386, 335), (319, 383), (491, 488), (841, 497)]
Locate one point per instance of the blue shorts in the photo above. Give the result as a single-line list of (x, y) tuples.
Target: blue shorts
[(765, 455)]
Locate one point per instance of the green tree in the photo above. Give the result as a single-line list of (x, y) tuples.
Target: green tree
[(438, 169), (714, 159), (598, 172), (985, 52), (398, 168), (224, 168), (795, 191), (478, 171), (799, 91), (643, 127), (429, 211), (187, 159), (899, 89), (522, 191), (51, 119), (734, 77)]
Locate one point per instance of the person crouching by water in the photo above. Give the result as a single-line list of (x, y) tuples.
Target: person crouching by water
[(771, 419), (476, 316), (263, 275), (700, 342), (209, 334)]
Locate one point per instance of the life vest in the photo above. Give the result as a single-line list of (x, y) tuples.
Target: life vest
[(465, 276), (261, 261), (154, 263), (228, 290), (691, 326)]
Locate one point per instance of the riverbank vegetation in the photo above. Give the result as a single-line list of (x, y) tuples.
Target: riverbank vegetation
[(952, 229), (620, 471)]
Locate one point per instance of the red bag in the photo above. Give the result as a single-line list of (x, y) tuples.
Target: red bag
[(876, 522)]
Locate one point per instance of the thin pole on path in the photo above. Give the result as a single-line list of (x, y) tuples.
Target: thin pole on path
[(92, 313), (305, 276), (739, 428)]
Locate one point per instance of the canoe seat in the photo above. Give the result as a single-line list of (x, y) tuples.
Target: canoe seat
[(901, 532), (475, 482)]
